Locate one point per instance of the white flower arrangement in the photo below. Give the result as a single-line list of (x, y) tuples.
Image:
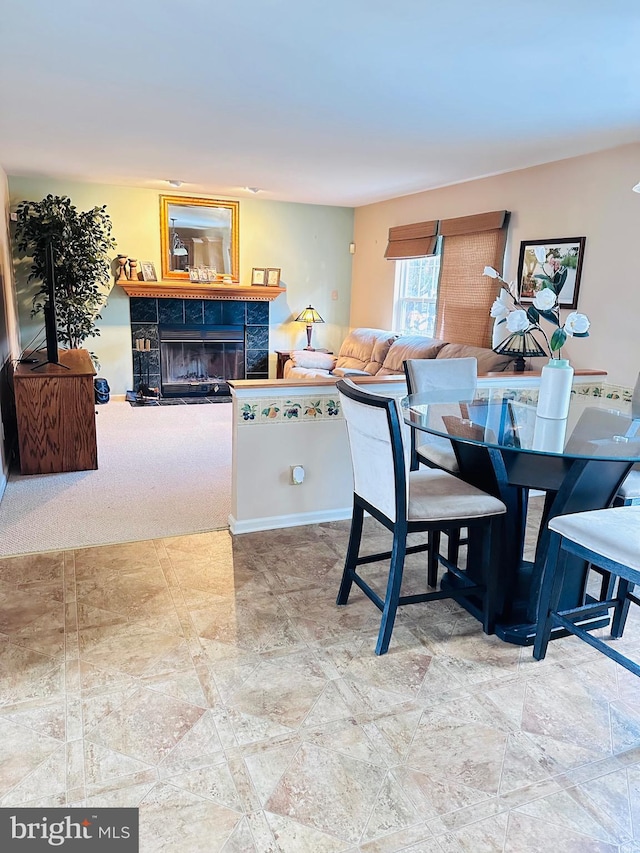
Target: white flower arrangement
[(508, 309)]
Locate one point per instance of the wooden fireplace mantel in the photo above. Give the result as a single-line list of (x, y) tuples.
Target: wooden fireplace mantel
[(193, 290)]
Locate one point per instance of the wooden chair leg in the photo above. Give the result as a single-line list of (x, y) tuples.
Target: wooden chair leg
[(621, 608), (453, 546), (353, 550), (394, 583), (414, 462), (549, 594), (607, 583), (433, 562)]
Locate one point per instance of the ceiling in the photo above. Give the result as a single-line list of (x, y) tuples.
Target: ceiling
[(318, 101)]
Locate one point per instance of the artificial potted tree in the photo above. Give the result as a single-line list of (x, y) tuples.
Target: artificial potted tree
[(81, 241)]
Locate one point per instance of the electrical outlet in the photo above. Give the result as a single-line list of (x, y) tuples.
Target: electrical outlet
[(297, 475)]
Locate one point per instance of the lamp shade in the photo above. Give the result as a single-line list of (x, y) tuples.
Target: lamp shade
[(520, 345), (309, 315)]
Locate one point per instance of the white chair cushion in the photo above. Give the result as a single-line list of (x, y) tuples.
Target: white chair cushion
[(371, 453), (439, 452), (436, 495), (614, 533), (435, 374), (631, 486)]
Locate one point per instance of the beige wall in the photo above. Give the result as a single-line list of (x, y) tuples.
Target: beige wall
[(588, 196), (310, 244)]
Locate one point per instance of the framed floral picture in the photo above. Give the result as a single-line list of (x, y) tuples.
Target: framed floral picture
[(556, 260), (273, 277), (259, 276)]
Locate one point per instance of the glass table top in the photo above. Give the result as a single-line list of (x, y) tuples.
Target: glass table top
[(506, 418)]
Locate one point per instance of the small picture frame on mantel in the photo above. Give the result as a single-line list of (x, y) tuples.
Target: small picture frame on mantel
[(148, 271), (259, 276), (272, 277)]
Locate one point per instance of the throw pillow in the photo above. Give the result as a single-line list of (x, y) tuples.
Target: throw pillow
[(311, 359)]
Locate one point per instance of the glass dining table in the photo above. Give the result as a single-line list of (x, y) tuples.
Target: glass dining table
[(503, 447)]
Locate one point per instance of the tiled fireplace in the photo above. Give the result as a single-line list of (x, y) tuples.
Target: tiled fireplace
[(200, 340)]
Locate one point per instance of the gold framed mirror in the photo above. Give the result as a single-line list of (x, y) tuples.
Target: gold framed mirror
[(198, 234)]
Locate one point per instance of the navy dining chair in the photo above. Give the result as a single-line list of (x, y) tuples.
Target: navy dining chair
[(404, 501), (607, 538)]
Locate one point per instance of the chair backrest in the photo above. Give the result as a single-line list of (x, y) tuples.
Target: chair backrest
[(434, 374), (429, 374), (377, 450)]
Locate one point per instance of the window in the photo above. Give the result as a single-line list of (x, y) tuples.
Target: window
[(416, 292)]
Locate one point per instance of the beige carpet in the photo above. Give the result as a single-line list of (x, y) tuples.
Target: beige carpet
[(163, 471)]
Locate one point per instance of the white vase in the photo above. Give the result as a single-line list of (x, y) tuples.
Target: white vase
[(549, 434), (555, 389)]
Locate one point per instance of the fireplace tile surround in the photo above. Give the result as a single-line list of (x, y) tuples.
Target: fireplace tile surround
[(147, 313)]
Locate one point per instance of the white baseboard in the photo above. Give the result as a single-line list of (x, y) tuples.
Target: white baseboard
[(274, 522), (3, 483)]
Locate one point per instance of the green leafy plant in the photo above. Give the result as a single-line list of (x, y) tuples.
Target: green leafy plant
[(81, 242)]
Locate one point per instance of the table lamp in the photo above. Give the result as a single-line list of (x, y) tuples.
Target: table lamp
[(520, 345), (309, 316)]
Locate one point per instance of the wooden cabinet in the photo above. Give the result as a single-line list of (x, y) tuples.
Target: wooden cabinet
[(55, 412)]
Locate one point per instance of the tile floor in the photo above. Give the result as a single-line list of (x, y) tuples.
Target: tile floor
[(213, 683)]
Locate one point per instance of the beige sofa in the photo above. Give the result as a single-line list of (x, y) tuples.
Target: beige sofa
[(376, 352)]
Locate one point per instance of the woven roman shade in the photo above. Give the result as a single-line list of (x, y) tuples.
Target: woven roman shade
[(465, 295), (412, 241)]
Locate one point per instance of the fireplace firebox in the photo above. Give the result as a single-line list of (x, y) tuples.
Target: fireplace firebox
[(197, 360)]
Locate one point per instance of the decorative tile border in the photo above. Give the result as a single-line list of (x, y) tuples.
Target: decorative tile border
[(604, 389), (322, 407), (617, 392), (280, 410)]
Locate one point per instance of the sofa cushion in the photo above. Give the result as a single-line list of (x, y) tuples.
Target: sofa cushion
[(488, 360), (344, 372), (313, 359), (365, 349), (409, 346), (303, 373)]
